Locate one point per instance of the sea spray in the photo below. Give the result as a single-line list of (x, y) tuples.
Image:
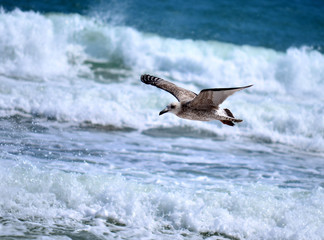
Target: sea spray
[(79, 69)]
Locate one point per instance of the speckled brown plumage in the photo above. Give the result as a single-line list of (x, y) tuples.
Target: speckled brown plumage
[(201, 107)]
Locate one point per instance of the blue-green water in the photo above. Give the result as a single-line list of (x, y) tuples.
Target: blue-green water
[(272, 24), (84, 154)]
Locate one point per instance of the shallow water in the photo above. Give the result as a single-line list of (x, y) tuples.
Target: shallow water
[(84, 154)]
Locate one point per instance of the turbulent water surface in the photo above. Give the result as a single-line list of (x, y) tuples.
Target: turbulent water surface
[(84, 154)]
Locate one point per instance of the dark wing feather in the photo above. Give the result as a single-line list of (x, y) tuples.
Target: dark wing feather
[(180, 93), (213, 97)]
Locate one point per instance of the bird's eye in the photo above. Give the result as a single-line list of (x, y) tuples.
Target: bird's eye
[(172, 106)]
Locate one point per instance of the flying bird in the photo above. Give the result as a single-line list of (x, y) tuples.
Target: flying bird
[(201, 107)]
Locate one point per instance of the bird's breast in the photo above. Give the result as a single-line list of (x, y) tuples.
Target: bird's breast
[(197, 114)]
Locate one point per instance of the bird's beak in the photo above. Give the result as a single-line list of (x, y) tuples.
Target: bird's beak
[(164, 111)]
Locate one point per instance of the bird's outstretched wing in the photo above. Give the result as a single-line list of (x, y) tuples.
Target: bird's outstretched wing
[(180, 93), (213, 97)]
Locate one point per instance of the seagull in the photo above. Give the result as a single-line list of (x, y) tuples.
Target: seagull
[(201, 107)]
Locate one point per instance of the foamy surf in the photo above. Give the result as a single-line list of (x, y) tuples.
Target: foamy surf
[(82, 205), (82, 70), (84, 154)]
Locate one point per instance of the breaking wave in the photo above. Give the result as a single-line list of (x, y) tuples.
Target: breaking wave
[(82, 205), (78, 69)]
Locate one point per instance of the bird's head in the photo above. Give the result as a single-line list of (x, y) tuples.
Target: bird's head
[(172, 107)]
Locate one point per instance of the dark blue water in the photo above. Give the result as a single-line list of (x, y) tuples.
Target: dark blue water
[(269, 23)]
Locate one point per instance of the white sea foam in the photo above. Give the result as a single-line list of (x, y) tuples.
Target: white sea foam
[(97, 204), (79, 69)]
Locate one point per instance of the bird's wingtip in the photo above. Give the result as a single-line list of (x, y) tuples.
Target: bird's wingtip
[(149, 79), (143, 77)]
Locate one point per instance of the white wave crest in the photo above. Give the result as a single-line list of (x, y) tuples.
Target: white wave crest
[(79, 69)]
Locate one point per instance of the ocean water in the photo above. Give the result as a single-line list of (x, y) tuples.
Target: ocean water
[(84, 154)]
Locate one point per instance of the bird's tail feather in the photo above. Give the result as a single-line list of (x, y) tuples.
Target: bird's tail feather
[(229, 123), (231, 119), (228, 113)]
